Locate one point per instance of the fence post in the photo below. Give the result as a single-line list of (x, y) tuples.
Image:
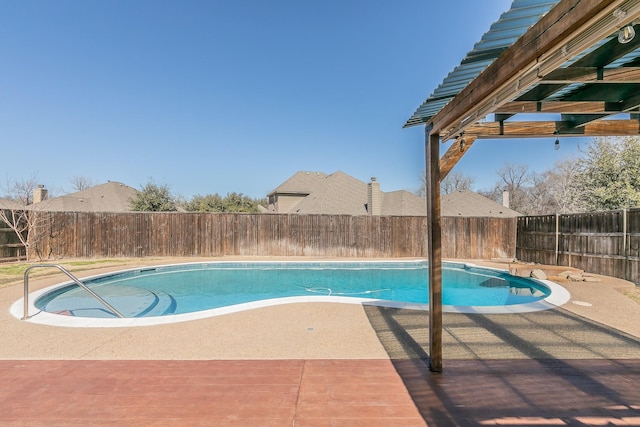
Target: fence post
[(557, 237), (625, 251)]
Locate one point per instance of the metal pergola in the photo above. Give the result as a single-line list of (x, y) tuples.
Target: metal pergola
[(576, 66)]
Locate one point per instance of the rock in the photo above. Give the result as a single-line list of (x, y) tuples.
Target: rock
[(565, 274), (536, 273)]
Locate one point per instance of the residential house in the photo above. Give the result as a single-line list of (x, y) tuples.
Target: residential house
[(108, 197), (341, 194), (468, 203)]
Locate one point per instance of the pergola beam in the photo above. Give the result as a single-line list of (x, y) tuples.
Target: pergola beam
[(572, 25), (631, 104), (593, 75), (454, 154), (495, 130), (567, 107)]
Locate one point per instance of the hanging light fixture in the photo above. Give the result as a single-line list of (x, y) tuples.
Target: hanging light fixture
[(626, 34), (556, 145)]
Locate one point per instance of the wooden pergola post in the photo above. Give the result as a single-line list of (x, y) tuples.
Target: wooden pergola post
[(432, 149)]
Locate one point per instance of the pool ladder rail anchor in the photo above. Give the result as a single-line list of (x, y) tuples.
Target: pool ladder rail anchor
[(25, 312)]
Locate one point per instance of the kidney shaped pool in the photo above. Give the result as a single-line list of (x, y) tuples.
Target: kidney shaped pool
[(186, 291)]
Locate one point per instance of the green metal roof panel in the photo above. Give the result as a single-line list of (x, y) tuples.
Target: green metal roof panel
[(502, 34)]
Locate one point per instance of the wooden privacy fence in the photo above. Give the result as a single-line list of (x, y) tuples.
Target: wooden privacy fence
[(10, 246), (605, 243), (142, 234)]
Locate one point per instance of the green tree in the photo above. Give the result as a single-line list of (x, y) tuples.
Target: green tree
[(232, 202), (238, 202), (154, 198), (609, 174), (207, 203)]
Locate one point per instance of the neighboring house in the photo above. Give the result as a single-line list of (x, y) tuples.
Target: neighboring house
[(10, 204), (468, 203), (108, 197), (341, 194)]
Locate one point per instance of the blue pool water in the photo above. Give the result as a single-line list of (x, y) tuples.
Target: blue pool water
[(187, 288)]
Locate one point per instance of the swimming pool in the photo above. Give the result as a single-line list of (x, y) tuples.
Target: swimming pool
[(187, 291)]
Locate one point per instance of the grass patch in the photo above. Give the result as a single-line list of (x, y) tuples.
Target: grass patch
[(632, 293), (14, 272), (13, 269), (94, 262)]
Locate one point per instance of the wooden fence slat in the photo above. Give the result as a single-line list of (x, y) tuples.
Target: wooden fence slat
[(143, 234), (598, 242), (602, 243)]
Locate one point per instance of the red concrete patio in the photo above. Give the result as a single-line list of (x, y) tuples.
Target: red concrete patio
[(319, 393)]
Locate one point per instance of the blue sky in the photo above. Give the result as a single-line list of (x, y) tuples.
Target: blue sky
[(236, 95)]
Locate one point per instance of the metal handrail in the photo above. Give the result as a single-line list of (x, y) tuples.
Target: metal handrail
[(25, 312)]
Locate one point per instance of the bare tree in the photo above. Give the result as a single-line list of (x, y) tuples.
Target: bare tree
[(455, 181), (20, 222), (19, 213), (21, 191), (80, 183), (562, 186), (539, 200), (517, 180)]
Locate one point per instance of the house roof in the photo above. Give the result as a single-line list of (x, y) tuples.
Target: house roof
[(10, 204), (341, 194), (109, 197), (468, 203), (337, 194), (403, 201), (302, 182)]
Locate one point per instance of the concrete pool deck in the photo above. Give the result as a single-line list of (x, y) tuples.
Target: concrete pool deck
[(329, 364)]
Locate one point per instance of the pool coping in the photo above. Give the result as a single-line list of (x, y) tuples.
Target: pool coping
[(558, 297)]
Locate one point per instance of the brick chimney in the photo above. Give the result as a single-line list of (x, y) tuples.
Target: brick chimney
[(374, 199), (505, 199), (40, 194)]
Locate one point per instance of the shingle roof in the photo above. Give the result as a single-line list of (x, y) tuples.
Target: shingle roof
[(403, 202), (337, 194), (300, 183), (10, 204), (108, 197), (468, 203), (341, 194)]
